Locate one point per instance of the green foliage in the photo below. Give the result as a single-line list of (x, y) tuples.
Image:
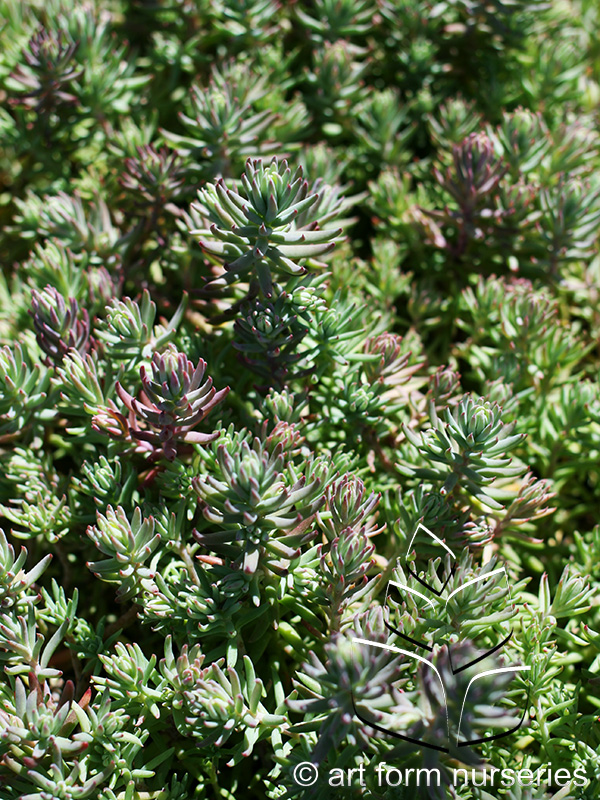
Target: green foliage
[(257, 231), (374, 225)]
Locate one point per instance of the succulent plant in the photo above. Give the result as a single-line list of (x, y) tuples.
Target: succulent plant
[(227, 579), (57, 326), (258, 492), (45, 79), (174, 400), (225, 127), (255, 232)]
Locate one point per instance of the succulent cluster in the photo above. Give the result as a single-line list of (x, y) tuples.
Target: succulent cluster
[(282, 284)]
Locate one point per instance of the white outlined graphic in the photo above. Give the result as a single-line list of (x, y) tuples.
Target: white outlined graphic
[(460, 655)]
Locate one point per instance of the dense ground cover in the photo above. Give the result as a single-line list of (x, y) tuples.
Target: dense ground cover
[(280, 283)]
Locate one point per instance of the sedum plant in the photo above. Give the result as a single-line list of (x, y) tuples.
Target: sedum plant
[(256, 232), (284, 286)]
